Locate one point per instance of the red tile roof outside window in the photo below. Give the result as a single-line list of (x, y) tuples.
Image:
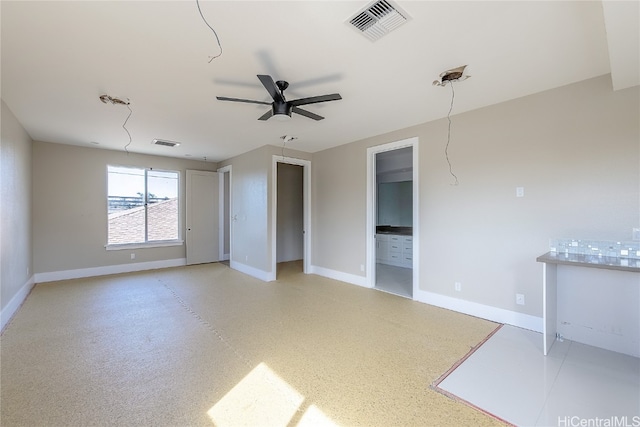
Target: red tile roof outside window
[(127, 226)]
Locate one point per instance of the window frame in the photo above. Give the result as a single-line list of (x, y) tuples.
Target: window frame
[(179, 241)]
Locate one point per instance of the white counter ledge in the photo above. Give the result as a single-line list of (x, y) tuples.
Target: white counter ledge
[(550, 262), (593, 261)]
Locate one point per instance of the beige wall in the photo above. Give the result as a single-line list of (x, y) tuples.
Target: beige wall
[(574, 149), (70, 206), (249, 184), (16, 240)]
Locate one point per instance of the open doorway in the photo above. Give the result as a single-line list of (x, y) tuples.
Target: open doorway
[(224, 214), (290, 216), (392, 218)]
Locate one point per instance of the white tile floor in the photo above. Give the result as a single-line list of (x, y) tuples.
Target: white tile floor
[(395, 280), (575, 385)]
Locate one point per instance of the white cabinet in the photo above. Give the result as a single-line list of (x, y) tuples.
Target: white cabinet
[(394, 249)]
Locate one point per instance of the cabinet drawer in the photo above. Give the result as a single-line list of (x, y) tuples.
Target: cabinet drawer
[(407, 246), (395, 247)]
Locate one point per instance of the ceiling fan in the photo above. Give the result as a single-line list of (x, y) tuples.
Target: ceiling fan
[(281, 109)]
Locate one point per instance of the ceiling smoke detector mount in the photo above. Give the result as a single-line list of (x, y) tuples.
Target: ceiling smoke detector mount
[(114, 100), (452, 75), (288, 138)]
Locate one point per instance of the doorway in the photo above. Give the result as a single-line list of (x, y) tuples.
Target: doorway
[(290, 215), (224, 214), (289, 219), (392, 218)]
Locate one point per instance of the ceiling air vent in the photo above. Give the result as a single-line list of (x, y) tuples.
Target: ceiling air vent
[(165, 143), (378, 19)]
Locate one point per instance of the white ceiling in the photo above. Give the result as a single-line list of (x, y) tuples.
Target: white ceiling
[(59, 57)]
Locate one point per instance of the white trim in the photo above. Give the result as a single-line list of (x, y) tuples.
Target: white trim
[(145, 245), (339, 275), (265, 276), (494, 314), (306, 164), (371, 203), (53, 276), (16, 302), (221, 207)]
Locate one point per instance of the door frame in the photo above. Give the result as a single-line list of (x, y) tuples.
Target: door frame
[(306, 206), (229, 210), (371, 206)]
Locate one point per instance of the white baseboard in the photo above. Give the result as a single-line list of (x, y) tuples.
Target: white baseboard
[(53, 276), (482, 311), (499, 315), (12, 307), (339, 275), (266, 276)]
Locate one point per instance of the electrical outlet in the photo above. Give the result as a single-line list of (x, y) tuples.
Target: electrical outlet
[(361, 267), (520, 299), (133, 256), (635, 233), (458, 286), (519, 191)]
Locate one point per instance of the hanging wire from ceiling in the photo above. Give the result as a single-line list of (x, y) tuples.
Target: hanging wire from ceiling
[(124, 126), (118, 101), (285, 139), (448, 77), (211, 58), (446, 148)]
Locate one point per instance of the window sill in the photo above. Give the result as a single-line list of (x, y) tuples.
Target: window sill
[(146, 245)]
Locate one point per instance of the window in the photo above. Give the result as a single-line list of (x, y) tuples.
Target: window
[(142, 206)]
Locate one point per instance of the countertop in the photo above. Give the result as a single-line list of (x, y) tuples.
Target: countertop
[(593, 261), (392, 229)]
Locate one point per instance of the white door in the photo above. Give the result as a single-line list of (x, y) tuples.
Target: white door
[(202, 217)]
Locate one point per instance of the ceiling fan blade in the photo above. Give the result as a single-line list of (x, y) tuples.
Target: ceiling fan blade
[(315, 99), (266, 116), (271, 87), (306, 113), (249, 101)]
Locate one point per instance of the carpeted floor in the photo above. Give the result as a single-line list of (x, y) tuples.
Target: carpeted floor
[(204, 345)]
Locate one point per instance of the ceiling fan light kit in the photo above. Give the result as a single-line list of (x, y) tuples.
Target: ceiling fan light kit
[(281, 109)]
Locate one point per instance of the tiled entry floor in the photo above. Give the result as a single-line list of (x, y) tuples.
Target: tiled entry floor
[(395, 280), (575, 385)]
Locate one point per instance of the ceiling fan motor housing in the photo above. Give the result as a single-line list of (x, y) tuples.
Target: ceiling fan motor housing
[(283, 108)]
